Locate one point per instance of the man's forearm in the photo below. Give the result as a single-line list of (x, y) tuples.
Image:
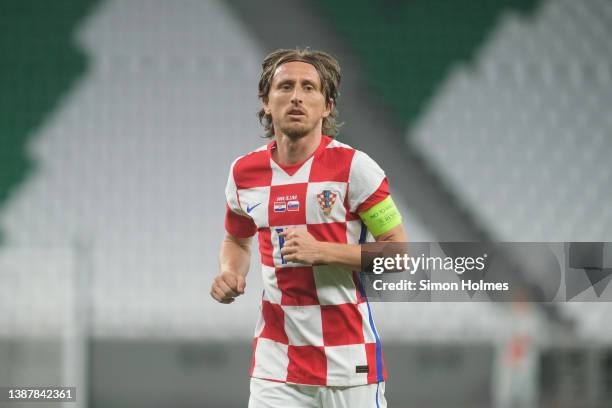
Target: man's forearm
[(234, 257), (345, 255), (234, 260), (349, 255)]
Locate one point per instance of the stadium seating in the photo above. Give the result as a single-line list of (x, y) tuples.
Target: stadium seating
[(522, 136), (129, 161)]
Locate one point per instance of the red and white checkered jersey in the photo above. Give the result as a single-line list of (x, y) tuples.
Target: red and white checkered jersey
[(315, 326)]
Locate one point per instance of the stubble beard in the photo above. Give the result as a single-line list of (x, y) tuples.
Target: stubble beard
[(295, 132)]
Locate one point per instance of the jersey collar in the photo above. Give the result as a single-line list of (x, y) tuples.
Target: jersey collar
[(293, 168)]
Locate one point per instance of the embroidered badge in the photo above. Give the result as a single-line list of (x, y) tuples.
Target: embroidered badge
[(326, 199)]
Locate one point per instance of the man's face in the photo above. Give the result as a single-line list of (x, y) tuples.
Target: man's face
[(295, 100)]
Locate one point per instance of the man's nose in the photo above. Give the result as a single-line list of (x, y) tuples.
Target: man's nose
[(296, 98)]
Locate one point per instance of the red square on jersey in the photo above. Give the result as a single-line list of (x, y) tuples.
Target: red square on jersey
[(307, 365), (265, 247), (297, 286), (274, 322), (253, 170), (342, 324), (287, 204), (329, 231), (332, 164)]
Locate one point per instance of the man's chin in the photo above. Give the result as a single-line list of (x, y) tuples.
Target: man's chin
[(295, 132)]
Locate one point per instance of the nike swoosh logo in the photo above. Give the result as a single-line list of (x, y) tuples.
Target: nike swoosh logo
[(249, 209)]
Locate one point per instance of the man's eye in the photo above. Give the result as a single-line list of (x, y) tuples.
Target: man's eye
[(286, 86), (309, 87)]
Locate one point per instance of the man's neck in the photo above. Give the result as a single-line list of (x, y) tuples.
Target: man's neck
[(292, 151)]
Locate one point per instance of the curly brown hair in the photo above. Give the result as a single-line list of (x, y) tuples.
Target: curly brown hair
[(329, 73)]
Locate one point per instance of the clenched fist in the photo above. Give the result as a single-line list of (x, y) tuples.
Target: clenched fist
[(227, 286)]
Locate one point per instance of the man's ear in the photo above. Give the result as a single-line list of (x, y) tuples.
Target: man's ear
[(329, 108), (264, 106)]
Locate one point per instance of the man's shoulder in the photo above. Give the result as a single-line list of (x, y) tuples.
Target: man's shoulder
[(336, 146), (334, 156), (254, 157), (349, 155), (252, 169), (332, 143)]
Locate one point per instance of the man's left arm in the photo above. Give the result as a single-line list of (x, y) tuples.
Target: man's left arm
[(368, 196), (300, 246)]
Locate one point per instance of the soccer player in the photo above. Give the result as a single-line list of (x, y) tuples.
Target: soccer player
[(312, 200)]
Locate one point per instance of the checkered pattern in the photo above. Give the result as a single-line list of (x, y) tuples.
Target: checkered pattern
[(315, 326)]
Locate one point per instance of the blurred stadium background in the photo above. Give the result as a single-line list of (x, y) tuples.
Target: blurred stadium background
[(118, 123)]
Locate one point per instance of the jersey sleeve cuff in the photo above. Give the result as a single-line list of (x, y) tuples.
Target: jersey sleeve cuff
[(238, 225)]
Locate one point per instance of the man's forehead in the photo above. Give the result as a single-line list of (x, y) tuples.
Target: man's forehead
[(296, 69)]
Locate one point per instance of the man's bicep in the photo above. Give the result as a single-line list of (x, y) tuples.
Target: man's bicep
[(242, 242), (367, 183)]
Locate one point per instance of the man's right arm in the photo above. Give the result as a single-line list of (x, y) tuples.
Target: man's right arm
[(234, 261)]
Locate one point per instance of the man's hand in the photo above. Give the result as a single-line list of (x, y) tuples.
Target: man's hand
[(234, 259), (227, 286), (300, 246)]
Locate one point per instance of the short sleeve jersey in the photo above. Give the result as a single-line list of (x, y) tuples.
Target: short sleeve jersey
[(315, 326)]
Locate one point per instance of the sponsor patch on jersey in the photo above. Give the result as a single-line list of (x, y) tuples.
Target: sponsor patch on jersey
[(293, 205), (326, 199), (280, 206)]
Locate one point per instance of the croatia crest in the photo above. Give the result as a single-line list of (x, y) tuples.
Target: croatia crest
[(326, 199)]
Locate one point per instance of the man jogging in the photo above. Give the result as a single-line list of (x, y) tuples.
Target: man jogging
[(311, 200)]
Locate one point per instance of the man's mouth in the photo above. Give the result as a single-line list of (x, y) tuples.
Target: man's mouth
[(296, 112)]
